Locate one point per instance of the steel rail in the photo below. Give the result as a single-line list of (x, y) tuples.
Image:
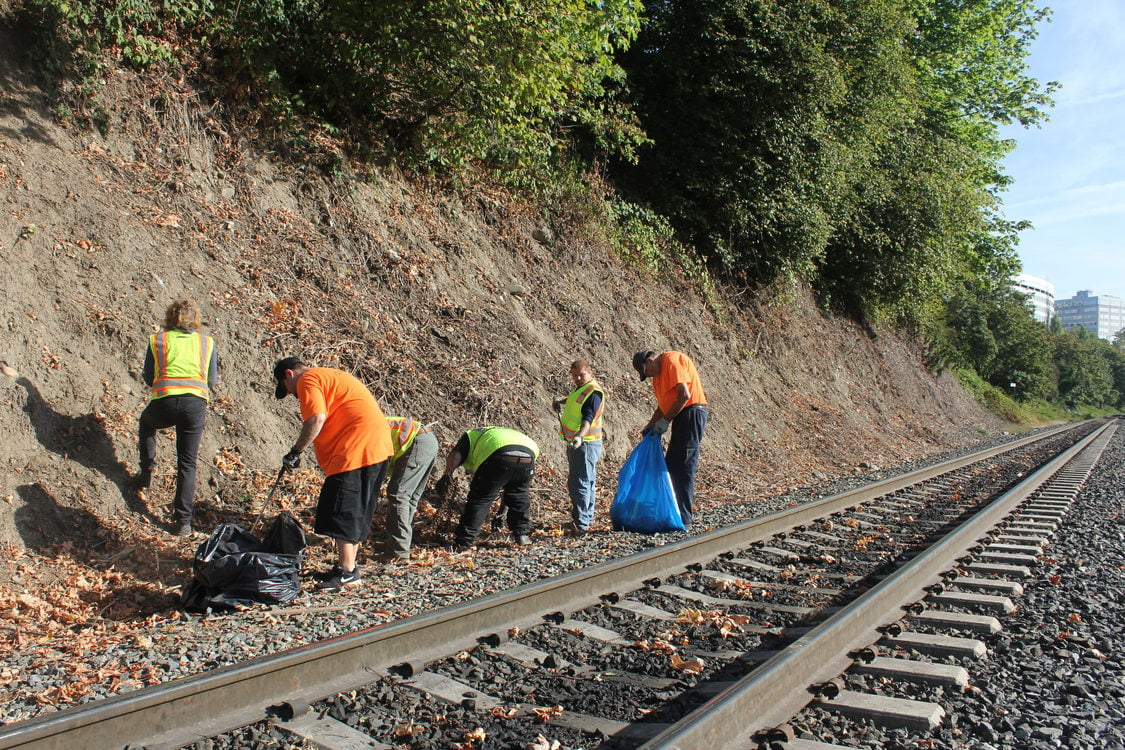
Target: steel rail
[(193, 708), (780, 688)]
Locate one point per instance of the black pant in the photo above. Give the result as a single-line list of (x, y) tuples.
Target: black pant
[(682, 456), (493, 476), (187, 414), (347, 502)]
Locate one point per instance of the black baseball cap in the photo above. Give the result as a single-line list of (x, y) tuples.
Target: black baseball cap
[(289, 363), (639, 361)]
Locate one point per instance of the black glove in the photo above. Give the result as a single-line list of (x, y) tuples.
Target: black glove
[(441, 489), (291, 460)]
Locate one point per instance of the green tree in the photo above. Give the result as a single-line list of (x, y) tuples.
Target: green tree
[(1024, 349), (1085, 377), (991, 330), (1115, 359), (446, 82), (931, 212), (762, 114), (852, 144), (452, 83)]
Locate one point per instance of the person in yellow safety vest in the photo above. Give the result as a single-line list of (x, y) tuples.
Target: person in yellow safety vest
[(181, 368), (580, 425), (416, 450), (500, 460)]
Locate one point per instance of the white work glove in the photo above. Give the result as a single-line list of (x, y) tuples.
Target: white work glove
[(660, 427), (576, 442)]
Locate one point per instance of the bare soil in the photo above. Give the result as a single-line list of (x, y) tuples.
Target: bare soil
[(445, 304)]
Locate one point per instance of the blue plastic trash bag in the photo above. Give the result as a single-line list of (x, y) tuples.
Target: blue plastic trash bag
[(645, 501)]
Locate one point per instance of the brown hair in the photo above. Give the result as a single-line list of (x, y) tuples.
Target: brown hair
[(182, 314)]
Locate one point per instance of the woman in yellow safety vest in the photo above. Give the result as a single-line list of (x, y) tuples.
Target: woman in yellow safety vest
[(181, 367)]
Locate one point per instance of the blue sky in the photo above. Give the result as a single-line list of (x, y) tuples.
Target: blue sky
[(1070, 172)]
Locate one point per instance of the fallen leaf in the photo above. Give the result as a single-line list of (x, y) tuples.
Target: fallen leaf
[(542, 743), (543, 715), (690, 666)]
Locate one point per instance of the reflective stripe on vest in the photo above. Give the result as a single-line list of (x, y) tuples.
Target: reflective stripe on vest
[(403, 432), (180, 363), (570, 421), (484, 441)]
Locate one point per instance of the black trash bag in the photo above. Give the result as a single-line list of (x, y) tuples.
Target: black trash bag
[(233, 568)]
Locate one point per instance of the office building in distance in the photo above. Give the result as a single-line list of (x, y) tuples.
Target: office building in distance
[(1102, 315), (1040, 294)]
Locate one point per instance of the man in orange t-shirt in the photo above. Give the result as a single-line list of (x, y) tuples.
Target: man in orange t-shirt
[(344, 423), (681, 404)]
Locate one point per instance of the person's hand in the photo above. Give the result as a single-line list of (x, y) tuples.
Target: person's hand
[(441, 489), (557, 404), (576, 442), (291, 460), (660, 427)]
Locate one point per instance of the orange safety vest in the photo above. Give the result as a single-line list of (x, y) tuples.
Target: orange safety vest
[(181, 361), (403, 432)]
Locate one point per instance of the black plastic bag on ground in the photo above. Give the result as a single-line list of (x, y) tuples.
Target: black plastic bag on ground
[(233, 568)]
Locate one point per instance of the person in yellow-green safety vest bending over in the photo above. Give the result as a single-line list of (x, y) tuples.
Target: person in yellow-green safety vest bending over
[(416, 450), (500, 460), (580, 425), (181, 368)]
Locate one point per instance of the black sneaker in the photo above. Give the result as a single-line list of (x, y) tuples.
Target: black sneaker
[(181, 528), (144, 478), (324, 575), (521, 540), (343, 579)]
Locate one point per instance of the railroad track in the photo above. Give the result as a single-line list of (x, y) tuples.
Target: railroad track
[(710, 642)]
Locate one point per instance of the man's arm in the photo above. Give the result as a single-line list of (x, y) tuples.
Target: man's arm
[(453, 460), (310, 428), (683, 395)]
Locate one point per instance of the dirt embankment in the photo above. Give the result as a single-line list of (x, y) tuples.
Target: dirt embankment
[(447, 306)]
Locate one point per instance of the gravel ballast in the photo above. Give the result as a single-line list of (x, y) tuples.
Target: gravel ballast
[(1000, 711), (1054, 675)]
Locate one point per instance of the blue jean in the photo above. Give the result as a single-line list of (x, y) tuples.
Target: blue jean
[(682, 455), (582, 480)]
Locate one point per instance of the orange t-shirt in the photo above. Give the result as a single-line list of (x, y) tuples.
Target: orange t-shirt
[(676, 368), (355, 432)]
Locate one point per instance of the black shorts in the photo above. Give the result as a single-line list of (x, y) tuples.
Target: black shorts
[(347, 503)]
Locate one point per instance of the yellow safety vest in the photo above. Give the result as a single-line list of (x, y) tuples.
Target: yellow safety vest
[(570, 421), (181, 361), (484, 441), (403, 432)]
